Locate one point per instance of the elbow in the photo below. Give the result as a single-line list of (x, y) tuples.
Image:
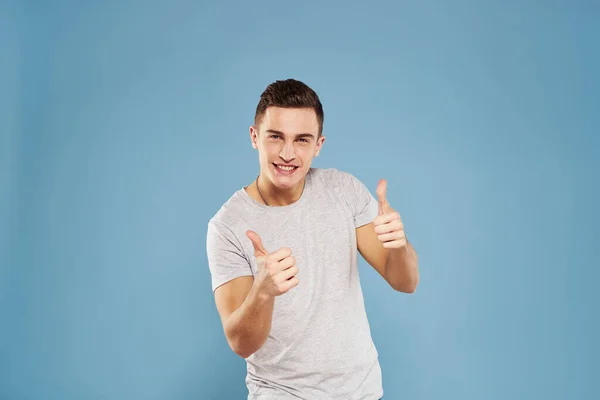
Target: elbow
[(242, 346), (405, 289), (242, 340), (241, 351), (408, 286), (239, 348), (411, 289)]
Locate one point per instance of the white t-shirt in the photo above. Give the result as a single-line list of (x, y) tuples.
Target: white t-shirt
[(320, 344)]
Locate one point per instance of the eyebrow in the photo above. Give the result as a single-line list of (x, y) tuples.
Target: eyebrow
[(300, 135)]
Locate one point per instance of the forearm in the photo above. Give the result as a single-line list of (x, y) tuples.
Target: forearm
[(402, 269), (248, 327)]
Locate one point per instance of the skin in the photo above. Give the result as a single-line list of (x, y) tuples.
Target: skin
[(245, 305), (284, 136)]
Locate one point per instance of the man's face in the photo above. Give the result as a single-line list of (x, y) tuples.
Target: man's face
[(286, 140)]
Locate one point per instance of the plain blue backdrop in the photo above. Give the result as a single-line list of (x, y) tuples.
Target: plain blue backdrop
[(124, 127)]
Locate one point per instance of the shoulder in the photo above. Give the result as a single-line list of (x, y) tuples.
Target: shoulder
[(350, 190), (227, 218), (337, 179), (333, 176)]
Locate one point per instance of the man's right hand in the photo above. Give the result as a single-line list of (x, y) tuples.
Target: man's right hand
[(276, 271)]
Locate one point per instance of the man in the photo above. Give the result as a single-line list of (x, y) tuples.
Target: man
[(283, 256)]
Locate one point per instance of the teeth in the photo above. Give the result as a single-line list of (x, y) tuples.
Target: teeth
[(285, 168)]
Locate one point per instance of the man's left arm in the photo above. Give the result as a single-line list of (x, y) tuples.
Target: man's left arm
[(383, 244)]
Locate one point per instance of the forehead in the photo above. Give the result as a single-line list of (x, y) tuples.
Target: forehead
[(291, 120)]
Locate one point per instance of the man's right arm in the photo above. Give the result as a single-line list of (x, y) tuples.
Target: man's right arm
[(246, 314), (245, 304)]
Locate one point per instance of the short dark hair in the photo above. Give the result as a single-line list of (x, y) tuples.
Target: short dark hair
[(289, 93)]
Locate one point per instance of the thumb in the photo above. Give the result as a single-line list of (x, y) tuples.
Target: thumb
[(382, 196), (259, 249)]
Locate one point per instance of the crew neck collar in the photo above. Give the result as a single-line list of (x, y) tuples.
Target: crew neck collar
[(305, 193)]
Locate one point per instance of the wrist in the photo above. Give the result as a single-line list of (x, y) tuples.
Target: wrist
[(262, 295)]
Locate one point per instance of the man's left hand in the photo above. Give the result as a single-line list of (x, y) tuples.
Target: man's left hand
[(388, 224)]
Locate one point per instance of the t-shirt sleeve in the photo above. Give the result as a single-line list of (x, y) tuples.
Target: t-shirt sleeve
[(226, 259), (363, 204)]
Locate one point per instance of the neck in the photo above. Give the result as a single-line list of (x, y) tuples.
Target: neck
[(275, 196)]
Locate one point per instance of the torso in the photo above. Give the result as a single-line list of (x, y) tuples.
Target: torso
[(320, 342)]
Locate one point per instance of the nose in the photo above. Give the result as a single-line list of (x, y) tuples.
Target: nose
[(287, 152)]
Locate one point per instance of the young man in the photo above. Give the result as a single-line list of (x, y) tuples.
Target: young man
[(283, 256)]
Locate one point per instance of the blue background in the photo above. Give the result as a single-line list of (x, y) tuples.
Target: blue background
[(125, 127)]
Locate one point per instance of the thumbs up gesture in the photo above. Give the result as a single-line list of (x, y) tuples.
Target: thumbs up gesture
[(276, 271), (388, 224)]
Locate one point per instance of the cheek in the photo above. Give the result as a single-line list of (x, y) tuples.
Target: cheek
[(268, 150), (306, 153)]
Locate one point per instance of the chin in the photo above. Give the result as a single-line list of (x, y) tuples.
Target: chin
[(285, 182)]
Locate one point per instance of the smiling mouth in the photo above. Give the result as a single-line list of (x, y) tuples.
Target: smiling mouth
[(285, 168)]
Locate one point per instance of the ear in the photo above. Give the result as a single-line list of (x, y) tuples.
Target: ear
[(320, 142), (254, 136)]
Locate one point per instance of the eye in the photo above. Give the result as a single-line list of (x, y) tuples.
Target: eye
[(303, 140), (274, 136)]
